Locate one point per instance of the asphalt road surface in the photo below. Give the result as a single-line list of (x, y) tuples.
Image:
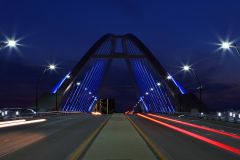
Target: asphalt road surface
[(175, 145), (56, 138), (60, 137)]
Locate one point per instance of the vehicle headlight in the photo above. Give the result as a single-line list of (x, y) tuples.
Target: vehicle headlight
[(234, 115)]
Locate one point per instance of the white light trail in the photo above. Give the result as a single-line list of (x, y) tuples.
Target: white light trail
[(22, 123), (12, 121)]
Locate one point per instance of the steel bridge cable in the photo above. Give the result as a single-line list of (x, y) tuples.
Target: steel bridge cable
[(140, 52), (138, 80), (165, 98), (145, 86), (89, 85), (97, 75), (164, 92), (145, 77), (134, 65), (76, 107), (66, 106), (97, 79), (82, 99), (100, 49), (73, 108), (107, 48), (69, 104), (130, 47), (133, 50), (154, 84)]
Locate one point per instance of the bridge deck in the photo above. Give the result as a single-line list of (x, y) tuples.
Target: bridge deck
[(119, 140)]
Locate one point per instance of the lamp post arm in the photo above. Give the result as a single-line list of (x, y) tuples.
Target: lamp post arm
[(237, 48)]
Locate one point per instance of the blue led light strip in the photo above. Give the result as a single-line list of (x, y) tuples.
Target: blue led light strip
[(149, 96), (66, 106), (76, 96), (98, 77), (138, 80), (143, 83), (162, 96), (55, 89), (82, 99)]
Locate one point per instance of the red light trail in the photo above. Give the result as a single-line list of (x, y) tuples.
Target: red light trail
[(197, 126), (197, 136)]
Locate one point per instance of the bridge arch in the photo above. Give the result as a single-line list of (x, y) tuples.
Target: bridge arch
[(78, 90)]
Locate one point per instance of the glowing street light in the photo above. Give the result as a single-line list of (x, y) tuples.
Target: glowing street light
[(68, 76), (11, 43), (169, 77), (186, 68), (78, 83), (52, 67), (158, 84), (227, 45)]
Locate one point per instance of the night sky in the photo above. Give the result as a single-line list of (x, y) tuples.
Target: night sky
[(177, 32)]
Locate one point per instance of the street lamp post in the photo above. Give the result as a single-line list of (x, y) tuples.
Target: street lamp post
[(56, 100), (187, 68), (50, 67)]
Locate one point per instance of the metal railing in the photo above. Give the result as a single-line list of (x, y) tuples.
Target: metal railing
[(227, 116)]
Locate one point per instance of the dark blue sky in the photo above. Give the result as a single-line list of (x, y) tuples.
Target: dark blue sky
[(176, 31)]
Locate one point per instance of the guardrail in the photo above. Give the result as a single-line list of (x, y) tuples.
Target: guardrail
[(229, 116), (14, 114), (57, 113)]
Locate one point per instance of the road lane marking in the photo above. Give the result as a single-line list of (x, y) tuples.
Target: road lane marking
[(81, 149), (194, 135), (151, 145)]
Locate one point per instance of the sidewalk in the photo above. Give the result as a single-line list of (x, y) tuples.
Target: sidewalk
[(118, 140)]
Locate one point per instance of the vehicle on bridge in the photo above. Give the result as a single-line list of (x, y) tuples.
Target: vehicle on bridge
[(15, 113)]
